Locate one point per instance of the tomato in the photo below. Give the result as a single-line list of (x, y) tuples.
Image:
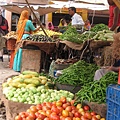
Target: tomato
[(71, 114), (77, 118), (32, 114), (41, 116), (54, 116), (62, 118), (68, 103), (39, 107), (37, 119), (102, 119), (86, 108), (68, 118), (45, 108), (43, 104), (64, 105), (80, 110), (72, 102), (79, 106), (65, 113), (88, 115), (33, 108), (18, 117), (93, 113), (55, 109), (37, 114), (22, 114), (48, 112), (47, 118), (83, 118), (77, 114), (94, 118), (59, 103), (60, 108), (29, 118), (68, 108), (98, 117), (63, 99), (48, 104)]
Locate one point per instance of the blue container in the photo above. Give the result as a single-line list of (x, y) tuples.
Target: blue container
[(113, 102)]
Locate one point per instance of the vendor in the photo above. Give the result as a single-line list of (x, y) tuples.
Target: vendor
[(114, 17), (24, 29), (104, 70), (76, 18)]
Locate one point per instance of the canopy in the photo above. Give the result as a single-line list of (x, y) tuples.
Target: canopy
[(89, 6), (19, 8)]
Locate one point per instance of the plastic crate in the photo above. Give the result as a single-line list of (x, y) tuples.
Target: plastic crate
[(113, 102)]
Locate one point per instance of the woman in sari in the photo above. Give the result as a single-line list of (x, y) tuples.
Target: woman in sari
[(24, 29)]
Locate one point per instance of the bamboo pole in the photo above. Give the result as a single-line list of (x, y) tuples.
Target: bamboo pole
[(38, 21)]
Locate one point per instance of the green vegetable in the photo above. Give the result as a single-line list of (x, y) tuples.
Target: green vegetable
[(96, 91), (80, 73)]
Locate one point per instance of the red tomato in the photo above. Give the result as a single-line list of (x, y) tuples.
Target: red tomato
[(54, 116), (77, 114), (55, 109), (68, 108), (45, 108), (37, 119), (29, 118), (22, 114), (43, 104), (64, 105), (48, 104), (18, 117), (47, 118), (77, 118), (32, 114), (68, 118), (93, 113), (63, 99), (86, 108), (48, 112), (83, 118), (88, 115), (60, 108), (41, 116), (94, 118), (65, 113), (72, 102), (71, 114), (37, 114), (39, 107), (59, 103), (33, 109)]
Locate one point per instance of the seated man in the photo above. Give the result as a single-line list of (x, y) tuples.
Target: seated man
[(101, 72)]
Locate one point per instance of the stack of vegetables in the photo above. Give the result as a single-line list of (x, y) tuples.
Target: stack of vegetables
[(59, 110), (98, 32), (32, 88), (39, 38), (78, 74), (95, 91), (48, 32)]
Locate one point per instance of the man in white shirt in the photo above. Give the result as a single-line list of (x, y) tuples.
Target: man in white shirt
[(76, 18)]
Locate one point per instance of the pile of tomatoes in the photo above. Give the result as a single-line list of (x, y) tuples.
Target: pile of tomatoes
[(60, 110)]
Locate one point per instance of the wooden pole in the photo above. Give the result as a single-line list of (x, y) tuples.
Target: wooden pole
[(38, 21)]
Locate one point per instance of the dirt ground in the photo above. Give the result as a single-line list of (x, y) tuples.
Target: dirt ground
[(5, 72)]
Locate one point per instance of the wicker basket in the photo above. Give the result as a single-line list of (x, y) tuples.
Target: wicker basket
[(11, 44)]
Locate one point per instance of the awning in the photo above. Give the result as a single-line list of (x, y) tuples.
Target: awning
[(82, 5), (19, 8)]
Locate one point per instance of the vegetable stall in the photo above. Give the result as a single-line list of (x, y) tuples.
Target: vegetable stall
[(44, 97)]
